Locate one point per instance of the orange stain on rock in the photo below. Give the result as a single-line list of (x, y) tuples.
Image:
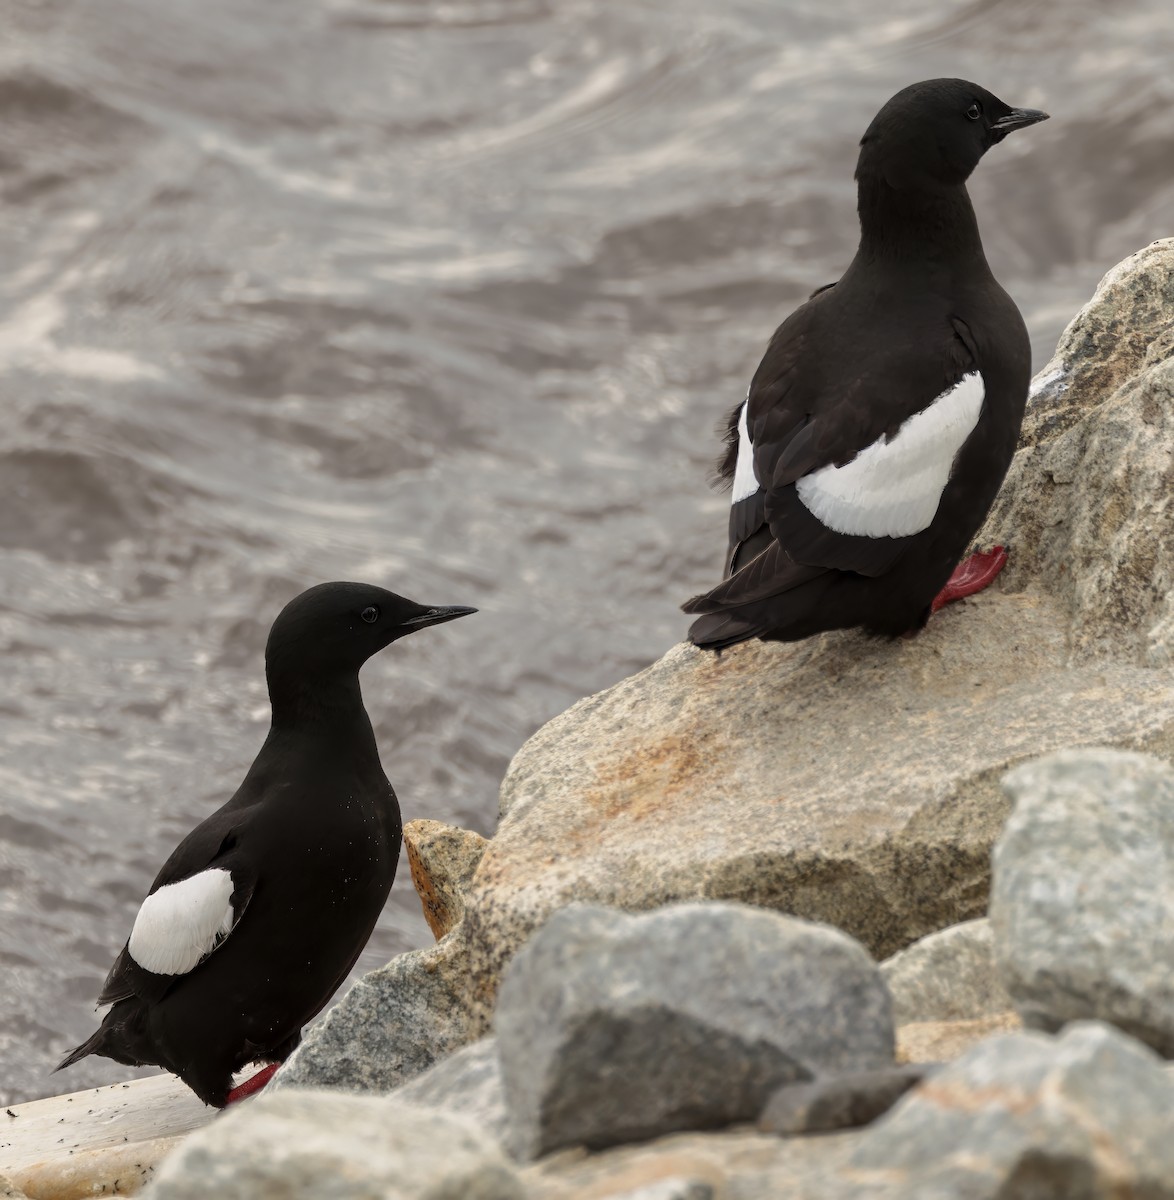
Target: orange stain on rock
[(435, 904)]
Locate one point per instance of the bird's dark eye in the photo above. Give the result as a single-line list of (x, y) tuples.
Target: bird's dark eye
[(370, 614), (974, 111)]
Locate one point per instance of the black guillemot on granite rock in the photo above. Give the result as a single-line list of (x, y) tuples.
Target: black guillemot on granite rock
[(261, 911), (885, 412)]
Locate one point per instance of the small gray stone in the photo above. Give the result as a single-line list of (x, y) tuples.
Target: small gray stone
[(1082, 905), (947, 976), (668, 1189), (615, 1028), (337, 1147), (467, 1083), (839, 1101), (1024, 1116), (393, 1024)]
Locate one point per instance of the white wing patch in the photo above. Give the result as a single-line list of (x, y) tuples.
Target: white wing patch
[(745, 480), (182, 922), (893, 488)]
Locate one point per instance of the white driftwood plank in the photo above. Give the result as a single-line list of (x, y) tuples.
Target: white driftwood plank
[(102, 1141)]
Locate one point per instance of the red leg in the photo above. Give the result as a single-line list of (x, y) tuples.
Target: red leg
[(253, 1084), (971, 575)]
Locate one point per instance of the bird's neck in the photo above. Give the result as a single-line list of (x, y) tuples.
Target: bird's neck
[(914, 225), (329, 709), (320, 740)]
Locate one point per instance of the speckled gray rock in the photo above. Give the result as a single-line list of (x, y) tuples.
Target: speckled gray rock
[(1083, 900), (614, 1028), (467, 1083), (1024, 1116), (839, 1101), (337, 1147), (393, 1024), (1021, 1117), (1085, 506), (947, 976), (675, 784)]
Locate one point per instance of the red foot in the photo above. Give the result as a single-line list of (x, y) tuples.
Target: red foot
[(970, 576), (254, 1084)]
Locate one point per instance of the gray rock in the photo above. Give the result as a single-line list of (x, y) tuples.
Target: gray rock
[(1021, 1117), (337, 1147), (947, 976), (1085, 1116), (467, 1083), (615, 1028), (1083, 900), (393, 1024), (1085, 504), (839, 1101), (669, 1189)]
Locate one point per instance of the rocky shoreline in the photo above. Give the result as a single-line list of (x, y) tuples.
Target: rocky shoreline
[(690, 1052), (736, 901)]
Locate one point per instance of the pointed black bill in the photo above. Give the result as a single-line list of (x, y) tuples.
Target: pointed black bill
[(1019, 118), (436, 616)]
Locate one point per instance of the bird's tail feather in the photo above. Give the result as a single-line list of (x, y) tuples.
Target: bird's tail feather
[(122, 1036), (767, 574), (719, 631), (92, 1045), (772, 597), (796, 614)]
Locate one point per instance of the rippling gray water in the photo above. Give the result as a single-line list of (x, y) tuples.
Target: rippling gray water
[(447, 297)]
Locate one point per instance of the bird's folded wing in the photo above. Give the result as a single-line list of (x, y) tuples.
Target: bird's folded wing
[(737, 465), (195, 902), (852, 471)]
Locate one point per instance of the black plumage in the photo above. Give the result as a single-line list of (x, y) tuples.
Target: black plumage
[(885, 412), (261, 911)]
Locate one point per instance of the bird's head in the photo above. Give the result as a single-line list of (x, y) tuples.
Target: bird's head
[(932, 134), (332, 629)]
